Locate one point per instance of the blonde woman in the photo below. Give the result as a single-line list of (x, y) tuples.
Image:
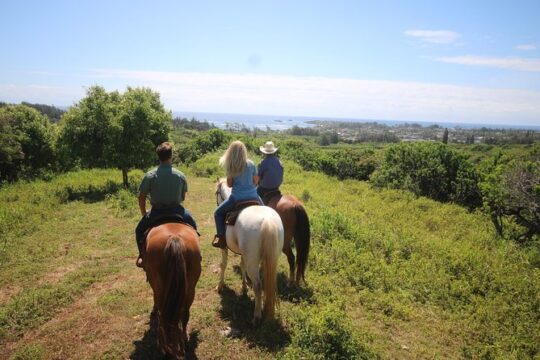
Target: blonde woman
[(242, 178)]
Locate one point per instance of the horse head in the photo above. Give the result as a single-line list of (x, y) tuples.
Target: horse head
[(223, 191)]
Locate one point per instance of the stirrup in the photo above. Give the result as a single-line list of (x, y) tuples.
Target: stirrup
[(221, 242)]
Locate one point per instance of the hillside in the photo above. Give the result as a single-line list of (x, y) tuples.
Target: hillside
[(391, 276)]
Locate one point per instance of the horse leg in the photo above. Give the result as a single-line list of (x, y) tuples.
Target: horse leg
[(253, 273), (290, 258), (222, 266), (244, 281)]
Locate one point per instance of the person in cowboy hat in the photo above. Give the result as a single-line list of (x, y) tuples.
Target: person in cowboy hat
[(270, 171)]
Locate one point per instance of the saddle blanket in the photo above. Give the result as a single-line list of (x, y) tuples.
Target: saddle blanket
[(231, 217)]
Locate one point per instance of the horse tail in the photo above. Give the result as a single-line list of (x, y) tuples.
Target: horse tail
[(270, 255), (302, 235), (174, 287)]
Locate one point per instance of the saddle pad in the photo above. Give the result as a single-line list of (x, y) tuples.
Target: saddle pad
[(230, 218), (177, 219)]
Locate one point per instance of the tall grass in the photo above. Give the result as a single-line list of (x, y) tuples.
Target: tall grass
[(403, 254), (26, 203)]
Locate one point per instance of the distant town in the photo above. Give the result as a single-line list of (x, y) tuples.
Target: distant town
[(353, 132)]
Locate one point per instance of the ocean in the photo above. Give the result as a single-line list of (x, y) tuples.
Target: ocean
[(283, 122)]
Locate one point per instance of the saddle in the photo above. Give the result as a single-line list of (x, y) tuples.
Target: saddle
[(165, 219), (269, 195), (230, 218)]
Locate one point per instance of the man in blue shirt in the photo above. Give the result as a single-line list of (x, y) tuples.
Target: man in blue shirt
[(270, 171), (167, 188)]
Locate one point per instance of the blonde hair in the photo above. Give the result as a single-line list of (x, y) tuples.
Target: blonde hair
[(235, 159)]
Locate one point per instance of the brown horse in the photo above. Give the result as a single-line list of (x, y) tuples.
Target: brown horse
[(296, 225), (173, 267)]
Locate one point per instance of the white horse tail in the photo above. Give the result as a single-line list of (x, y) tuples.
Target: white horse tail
[(270, 255)]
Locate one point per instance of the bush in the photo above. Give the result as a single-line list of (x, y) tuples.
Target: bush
[(430, 169), (325, 333), (204, 143), (342, 163), (512, 191), (208, 166), (26, 142)]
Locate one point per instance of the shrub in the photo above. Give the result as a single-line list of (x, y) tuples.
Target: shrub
[(430, 169), (204, 143), (512, 191), (343, 163), (325, 333), (26, 142)]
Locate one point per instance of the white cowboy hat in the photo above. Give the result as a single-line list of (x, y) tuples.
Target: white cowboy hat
[(268, 148)]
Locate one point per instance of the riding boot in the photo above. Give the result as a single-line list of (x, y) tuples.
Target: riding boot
[(140, 261), (140, 258), (220, 243)]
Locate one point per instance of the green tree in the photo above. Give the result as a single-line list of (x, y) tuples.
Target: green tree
[(202, 144), (114, 130), (323, 140), (430, 169), (445, 136), (26, 142), (87, 128), (140, 125), (511, 191)]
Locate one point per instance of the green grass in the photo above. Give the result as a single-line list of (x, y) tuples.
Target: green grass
[(390, 276), (34, 306), (29, 352)]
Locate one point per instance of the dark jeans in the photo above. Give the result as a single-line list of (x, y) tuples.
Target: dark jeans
[(156, 214), (228, 205), (263, 191)]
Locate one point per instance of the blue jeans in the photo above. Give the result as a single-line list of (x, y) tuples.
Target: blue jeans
[(154, 214), (222, 210)]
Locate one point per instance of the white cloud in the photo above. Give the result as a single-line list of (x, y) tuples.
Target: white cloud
[(434, 36), (317, 96), (43, 94), (526, 47), (513, 63)]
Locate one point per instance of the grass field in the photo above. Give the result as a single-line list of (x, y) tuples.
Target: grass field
[(391, 276)]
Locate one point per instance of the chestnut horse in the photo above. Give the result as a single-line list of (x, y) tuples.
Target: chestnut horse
[(173, 267), (257, 236), (296, 225)]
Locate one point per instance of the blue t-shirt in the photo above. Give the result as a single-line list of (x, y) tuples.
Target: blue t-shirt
[(243, 186), (270, 173)]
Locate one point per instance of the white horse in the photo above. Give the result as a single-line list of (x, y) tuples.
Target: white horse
[(257, 236)]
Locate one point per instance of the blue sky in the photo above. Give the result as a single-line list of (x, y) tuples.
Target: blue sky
[(464, 61)]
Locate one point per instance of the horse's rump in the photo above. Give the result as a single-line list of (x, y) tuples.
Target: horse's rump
[(173, 267), (296, 225)]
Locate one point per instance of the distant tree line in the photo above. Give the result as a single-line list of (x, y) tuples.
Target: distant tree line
[(192, 124), (52, 112)]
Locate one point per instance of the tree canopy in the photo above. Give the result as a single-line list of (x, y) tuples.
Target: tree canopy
[(114, 130), (430, 169), (26, 142)]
